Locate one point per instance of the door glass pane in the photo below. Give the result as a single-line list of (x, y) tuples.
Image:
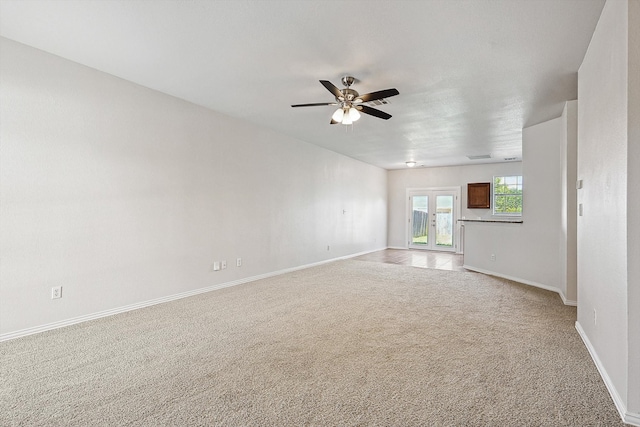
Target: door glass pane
[(444, 221), (420, 220)]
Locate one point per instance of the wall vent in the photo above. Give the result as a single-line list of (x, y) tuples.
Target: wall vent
[(480, 157), (377, 102)]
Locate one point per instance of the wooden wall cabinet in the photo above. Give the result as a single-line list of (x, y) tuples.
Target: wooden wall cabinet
[(479, 195)]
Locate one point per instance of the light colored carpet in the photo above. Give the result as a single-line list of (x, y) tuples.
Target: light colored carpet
[(351, 343)]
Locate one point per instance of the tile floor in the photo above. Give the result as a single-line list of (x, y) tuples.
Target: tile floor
[(417, 258)]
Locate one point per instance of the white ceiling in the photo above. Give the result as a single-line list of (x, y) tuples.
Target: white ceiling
[(471, 74)]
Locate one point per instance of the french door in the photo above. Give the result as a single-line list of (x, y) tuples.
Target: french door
[(432, 219)]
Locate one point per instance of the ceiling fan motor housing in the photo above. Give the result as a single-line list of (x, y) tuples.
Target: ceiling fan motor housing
[(349, 94)]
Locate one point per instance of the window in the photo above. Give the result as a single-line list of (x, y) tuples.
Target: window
[(507, 195)]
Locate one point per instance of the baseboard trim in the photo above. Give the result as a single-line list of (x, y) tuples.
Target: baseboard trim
[(627, 417), (105, 313), (632, 418), (568, 301), (565, 301), (397, 247)]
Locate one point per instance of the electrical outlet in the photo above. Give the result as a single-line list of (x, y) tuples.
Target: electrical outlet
[(328, 247), (238, 262), (224, 264), (493, 257), (56, 292)]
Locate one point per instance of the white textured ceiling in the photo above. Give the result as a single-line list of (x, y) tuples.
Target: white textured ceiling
[(471, 74)]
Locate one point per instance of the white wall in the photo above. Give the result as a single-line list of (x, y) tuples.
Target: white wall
[(608, 231), (453, 176), (122, 195), (633, 208), (529, 252)]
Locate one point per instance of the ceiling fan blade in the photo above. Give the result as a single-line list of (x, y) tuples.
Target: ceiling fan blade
[(315, 105), (373, 112), (332, 88), (378, 95), (333, 122)]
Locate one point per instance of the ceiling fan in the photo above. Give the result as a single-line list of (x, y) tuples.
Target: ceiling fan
[(350, 102)]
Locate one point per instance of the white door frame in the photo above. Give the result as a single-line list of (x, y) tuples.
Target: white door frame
[(456, 212)]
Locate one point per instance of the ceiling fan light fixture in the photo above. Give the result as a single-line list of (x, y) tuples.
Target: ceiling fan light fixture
[(354, 114), (346, 119), (410, 163), (338, 115)]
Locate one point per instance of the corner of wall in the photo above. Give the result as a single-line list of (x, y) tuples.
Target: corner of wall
[(627, 416), (633, 207)]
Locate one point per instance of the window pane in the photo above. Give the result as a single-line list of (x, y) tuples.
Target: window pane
[(507, 195), (420, 220), (508, 204), (444, 221)]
